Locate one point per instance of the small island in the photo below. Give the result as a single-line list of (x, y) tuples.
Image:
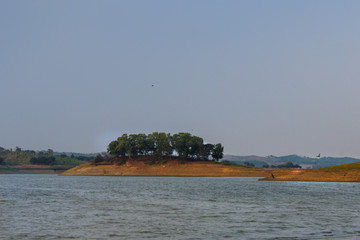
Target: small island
[(185, 155), (163, 154)]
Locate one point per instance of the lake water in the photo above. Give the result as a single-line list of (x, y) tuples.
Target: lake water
[(65, 207)]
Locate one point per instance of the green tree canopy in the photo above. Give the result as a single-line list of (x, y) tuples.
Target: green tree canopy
[(184, 145), (161, 144), (43, 160), (218, 152), (181, 143)]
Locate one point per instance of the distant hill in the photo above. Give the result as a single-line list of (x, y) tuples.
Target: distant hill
[(305, 162), (348, 166)]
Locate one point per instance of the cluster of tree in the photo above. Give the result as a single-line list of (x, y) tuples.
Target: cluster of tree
[(43, 160), (183, 145), (85, 158), (249, 164), (285, 165), (289, 165)]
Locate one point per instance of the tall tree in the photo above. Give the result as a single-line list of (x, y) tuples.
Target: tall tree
[(206, 151), (121, 148), (162, 143), (141, 144), (181, 144), (218, 152), (131, 146), (112, 148), (195, 145)]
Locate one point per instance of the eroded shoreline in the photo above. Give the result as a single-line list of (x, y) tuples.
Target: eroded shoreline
[(210, 169)]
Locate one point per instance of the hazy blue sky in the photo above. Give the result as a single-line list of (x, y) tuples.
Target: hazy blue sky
[(261, 77)]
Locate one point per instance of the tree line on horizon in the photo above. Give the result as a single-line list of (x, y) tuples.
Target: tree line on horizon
[(183, 145), (18, 156)]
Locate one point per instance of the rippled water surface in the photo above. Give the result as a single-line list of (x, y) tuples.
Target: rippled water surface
[(63, 207)]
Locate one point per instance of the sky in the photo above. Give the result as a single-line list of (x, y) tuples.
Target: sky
[(260, 77)]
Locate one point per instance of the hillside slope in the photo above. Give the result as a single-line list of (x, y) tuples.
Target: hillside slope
[(340, 173), (295, 159)]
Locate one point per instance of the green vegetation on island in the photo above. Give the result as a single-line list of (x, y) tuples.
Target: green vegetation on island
[(160, 144)]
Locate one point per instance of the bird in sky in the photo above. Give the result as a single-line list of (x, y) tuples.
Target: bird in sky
[(152, 85), (318, 156)]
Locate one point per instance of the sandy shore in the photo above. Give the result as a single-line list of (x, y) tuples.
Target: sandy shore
[(171, 168)]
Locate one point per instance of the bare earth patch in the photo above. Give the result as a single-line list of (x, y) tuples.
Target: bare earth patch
[(170, 168)]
